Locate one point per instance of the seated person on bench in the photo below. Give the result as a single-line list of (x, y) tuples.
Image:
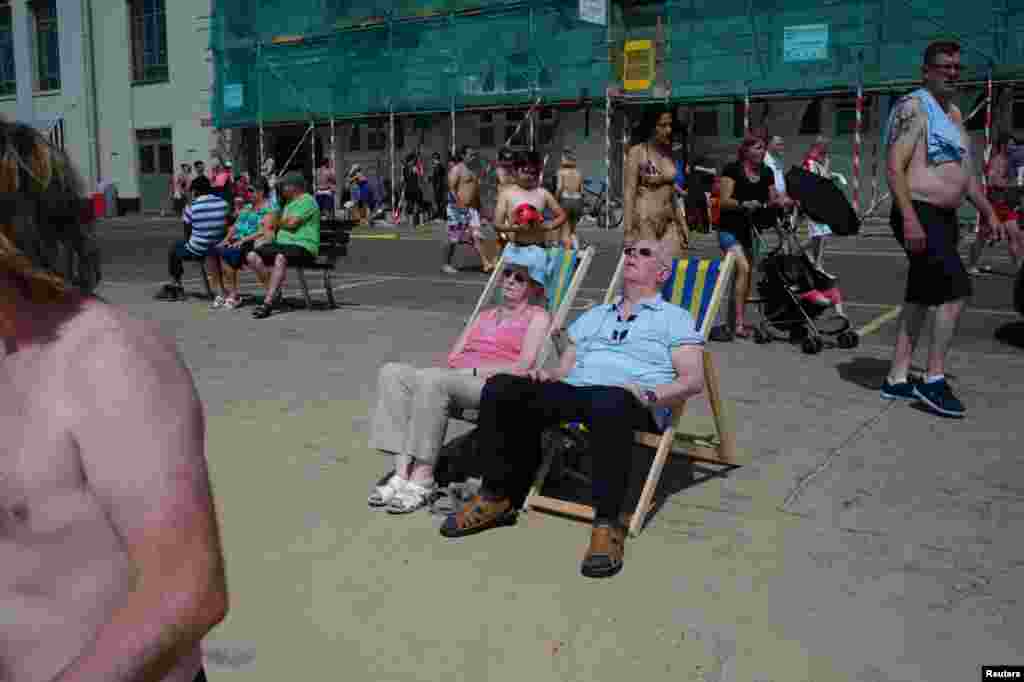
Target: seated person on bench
[(624, 362), (412, 404), (297, 242), (254, 226), (207, 217)]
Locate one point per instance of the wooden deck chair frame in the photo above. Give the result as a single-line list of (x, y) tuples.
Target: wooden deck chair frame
[(558, 315), (721, 452)]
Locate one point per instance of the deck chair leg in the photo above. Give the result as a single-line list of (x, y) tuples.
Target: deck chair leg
[(726, 437), (206, 279), (538, 482), (305, 288), (651, 484), (329, 288)]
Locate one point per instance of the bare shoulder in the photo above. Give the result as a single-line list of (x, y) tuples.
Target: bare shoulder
[(906, 122), (112, 352)]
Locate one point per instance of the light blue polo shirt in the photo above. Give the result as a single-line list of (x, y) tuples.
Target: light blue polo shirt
[(614, 353)]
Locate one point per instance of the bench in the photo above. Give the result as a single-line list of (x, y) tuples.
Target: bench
[(334, 239)]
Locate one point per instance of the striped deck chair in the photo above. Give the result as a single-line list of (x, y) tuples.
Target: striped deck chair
[(564, 280), (699, 286)]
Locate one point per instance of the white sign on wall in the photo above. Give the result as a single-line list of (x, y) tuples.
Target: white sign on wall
[(594, 11), (233, 96), (807, 43)]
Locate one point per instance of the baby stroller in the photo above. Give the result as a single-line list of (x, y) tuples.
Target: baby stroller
[(796, 299)]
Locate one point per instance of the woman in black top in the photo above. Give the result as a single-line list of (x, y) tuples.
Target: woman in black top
[(747, 185)]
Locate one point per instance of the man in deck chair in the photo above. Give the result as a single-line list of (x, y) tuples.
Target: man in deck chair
[(625, 362)]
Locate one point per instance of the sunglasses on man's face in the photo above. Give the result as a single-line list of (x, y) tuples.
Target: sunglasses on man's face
[(518, 275), (634, 251)]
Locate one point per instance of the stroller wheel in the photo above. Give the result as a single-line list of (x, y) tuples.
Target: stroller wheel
[(848, 339), (761, 336), (812, 345)]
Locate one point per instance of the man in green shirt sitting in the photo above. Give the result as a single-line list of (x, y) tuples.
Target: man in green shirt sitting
[(297, 241)]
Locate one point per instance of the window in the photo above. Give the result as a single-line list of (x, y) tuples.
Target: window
[(810, 124), (486, 129), (147, 159), (355, 139), (513, 119), (738, 109), (377, 139), (8, 84), (705, 123), (546, 127), (1018, 114), (47, 45), (149, 41), (846, 116), (399, 134), (166, 164)]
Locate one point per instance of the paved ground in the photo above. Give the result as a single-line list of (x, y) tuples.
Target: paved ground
[(859, 540)]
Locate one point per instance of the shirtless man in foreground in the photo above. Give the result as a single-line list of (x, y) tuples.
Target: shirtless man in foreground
[(464, 213), (110, 560), (520, 209), (929, 183)]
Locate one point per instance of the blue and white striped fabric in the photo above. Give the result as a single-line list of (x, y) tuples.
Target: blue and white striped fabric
[(207, 215)]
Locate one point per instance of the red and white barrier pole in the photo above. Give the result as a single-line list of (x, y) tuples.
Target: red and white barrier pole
[(856, 147), (988, 131), (746, 113)]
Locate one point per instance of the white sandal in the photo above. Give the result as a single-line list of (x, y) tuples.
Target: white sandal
[(411, 497), (384, 494)]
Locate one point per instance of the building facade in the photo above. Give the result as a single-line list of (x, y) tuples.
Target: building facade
[(123, 85)]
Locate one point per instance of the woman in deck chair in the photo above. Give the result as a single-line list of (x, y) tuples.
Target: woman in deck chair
[(412, 404)]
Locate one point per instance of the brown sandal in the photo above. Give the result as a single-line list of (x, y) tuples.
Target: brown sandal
[(478, 515)]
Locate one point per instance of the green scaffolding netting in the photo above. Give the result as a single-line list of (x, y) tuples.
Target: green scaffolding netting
[(726, 48), (286, 60), (402, 56)]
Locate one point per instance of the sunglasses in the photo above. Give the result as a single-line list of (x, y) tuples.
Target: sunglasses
[(518, 275), (529, 170), (633, 251)]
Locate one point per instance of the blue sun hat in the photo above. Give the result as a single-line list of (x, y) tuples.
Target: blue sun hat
[(533, 258)]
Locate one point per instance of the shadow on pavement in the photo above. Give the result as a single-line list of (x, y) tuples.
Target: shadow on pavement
[(867, 373), (1011, 334)]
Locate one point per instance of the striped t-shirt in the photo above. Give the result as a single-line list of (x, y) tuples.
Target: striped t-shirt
[(207, 216)]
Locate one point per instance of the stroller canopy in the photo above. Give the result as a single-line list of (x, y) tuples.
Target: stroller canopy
[(821, 200)]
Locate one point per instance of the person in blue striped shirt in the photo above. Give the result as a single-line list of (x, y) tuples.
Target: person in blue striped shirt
[(206, 222)]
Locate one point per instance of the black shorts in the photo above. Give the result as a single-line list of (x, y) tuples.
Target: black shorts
[(293, 254), (938, 274)]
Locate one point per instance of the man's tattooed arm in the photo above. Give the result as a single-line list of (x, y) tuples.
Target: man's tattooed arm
[(901, 125)]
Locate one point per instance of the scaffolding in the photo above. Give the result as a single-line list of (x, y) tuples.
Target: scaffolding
[(320, 62)]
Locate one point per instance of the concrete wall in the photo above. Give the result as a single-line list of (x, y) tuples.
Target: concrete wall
[(103, 146)]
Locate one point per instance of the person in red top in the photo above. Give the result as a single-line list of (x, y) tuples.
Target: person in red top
[(1003, 201)]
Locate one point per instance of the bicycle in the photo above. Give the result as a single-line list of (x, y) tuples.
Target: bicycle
[(594, 205)]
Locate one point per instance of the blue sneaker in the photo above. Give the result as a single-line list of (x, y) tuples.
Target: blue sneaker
[(938, 396), (904, 390)]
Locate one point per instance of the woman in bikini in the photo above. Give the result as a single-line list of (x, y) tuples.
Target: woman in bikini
[(649, 187)]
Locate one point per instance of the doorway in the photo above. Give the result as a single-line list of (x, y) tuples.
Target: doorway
[(156, 168)]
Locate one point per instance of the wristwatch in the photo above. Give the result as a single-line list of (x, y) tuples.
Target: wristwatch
[(650, 397)]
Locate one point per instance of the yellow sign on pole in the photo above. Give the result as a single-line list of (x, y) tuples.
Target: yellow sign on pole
[(638, 71)]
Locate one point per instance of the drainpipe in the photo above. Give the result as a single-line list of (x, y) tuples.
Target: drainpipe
[(92, 110)]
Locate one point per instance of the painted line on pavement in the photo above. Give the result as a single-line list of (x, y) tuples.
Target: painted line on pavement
[(875, 324), (967, 310), (384, 235)]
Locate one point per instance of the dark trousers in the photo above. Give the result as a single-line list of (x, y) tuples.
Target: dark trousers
[(178, 254), (513, 413)]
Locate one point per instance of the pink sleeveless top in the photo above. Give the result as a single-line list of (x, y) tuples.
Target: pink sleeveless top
[(492, 344)]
